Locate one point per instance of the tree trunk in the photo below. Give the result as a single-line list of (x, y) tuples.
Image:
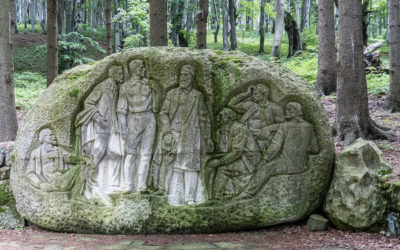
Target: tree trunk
[(52, 39), (33, 8), (279, 22), (117, 35), (16, 16), (366, 12), (43, 19), (158, 23), (60, 16), (293, 33), (68, 16), (73, 21), (201, 23), (225, 24), (288, 6), (327, 65), (394, 45), (108, 26), (232, 21), (216, 16), (262, 21), (352, 116), (305, 15), (8, 117), (189, 18)]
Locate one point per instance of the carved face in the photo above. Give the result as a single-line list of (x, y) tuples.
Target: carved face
[(260, 93), (140, 70), (293, 110), (186, 77), (50, 138), (116, 74)]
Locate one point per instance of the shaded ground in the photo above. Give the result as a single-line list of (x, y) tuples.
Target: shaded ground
[(22, 40), (382, 116), (279, 237)]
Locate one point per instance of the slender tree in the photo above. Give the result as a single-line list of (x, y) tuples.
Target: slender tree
[(352, 116), (158, 23), (225, 24), (394, 45), (279, 23), (216, 20), (8, 117), (108, 26), (52, 40), (262, 29), (117, 33), (232, 22), (201, 23), (33, 14), (327, 65), (305, 15)]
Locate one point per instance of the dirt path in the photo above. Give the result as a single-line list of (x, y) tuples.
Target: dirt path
[(279, 237)]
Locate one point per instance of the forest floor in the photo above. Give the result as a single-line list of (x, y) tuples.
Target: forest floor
[(294, 236)]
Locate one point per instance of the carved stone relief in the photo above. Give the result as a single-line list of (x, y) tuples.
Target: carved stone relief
[(165, 140)]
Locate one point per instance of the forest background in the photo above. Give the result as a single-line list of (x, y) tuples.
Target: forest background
[(282, 31)]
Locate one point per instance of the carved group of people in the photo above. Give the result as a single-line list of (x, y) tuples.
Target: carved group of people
[(259, 141), (118, 130), (120, 134)]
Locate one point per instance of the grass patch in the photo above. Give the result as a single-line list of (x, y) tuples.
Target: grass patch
[(28, 87), (31, 59)]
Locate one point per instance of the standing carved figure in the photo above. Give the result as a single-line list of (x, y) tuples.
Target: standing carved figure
[(187, 135), (138, 126), (96, 123)]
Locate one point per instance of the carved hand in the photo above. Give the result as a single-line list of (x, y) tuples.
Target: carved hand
[(167, 142), (210, 146)]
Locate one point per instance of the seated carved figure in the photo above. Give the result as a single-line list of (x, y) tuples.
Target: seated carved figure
[(287, 153), (47, 162), (232, 169)]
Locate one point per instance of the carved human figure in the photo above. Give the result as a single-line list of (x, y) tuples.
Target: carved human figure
[(138, 126), (47, 162), (257, 111), (288, 151), (187, 135), (238, 163), (96, 122)]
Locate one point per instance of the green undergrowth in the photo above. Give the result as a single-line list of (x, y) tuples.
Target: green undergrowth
[(31, 59), (28, 87)]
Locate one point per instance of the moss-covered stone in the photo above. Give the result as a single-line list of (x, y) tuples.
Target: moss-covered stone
[(356, 200), (219, 76)]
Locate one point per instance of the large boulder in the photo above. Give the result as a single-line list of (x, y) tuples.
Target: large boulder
[(162, 140), (355, 198)]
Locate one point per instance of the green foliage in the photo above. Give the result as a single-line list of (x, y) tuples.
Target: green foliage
[(71, 47), (98, 34), (28, 87), (138, 16), (30, 59), (309, 37), (378, 83), (304, 64)]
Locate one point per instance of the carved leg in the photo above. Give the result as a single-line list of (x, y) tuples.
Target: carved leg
[(191, 178)]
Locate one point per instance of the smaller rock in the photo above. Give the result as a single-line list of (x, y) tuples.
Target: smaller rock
[(4, 173), (10, 219), (317, 222), (8, 154)]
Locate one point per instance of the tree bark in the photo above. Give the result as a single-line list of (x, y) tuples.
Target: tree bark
[(108, 26), (8, 117), (225, 24), (16, 16), (52, 39), (293, 33), (305, 15), (117, 32), (201, 23), (68, 16), (32, 9), (262, 29), (366, 12), (394, 46), (352, 116), (232, 21), (279, 22), (158, 23), (327, 65), (189, 18), (216, 18)]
